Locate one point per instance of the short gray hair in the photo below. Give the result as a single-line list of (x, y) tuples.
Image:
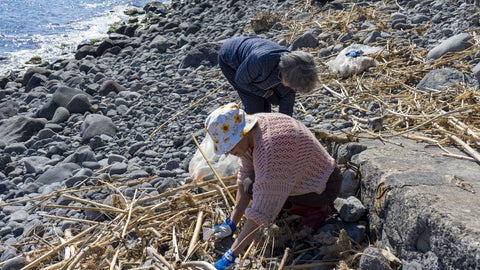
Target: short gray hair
[(299, 70)]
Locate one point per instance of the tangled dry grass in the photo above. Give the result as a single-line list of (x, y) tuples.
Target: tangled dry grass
[(166, 228)]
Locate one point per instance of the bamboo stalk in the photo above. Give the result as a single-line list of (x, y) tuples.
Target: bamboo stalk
[(124, 232), (284, 259), (85, 208), (100, 205), (465, 146), (57, 248), (196, 233)]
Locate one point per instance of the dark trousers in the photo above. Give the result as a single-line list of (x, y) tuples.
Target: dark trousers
[(251, 102), (331, 192)]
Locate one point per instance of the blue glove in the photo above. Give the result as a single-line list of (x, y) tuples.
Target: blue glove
[(223, 230), (227, 259)]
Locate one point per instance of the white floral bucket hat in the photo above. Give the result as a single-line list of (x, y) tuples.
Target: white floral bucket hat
[(227, 125)]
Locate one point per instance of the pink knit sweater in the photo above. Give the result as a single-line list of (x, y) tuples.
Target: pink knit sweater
[(287, 160)]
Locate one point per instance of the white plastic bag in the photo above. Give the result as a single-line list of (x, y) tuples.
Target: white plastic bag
[(224, 165), (345, 66)]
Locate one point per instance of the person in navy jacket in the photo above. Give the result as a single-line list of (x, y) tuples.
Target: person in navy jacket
[(265, 73)]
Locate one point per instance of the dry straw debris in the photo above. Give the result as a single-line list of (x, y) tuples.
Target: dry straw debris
[(165, 228)]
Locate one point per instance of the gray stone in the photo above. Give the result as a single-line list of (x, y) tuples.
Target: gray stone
[(350, 184), (372, 37), (20, 128), (346, 151), (8, 109), (372, 259), (34, 70), (35, 164), (476, 72), (79, 104), (82, 154), (63, 95), (113, 158), (15, 148), (307, 40), (440, 79), (58, 173), (118, 168), (45, 133), (455, 43), (420, 18), (161, 43), (96, 124), (350, 209), (35, 81), (18, 216), (110, 86)]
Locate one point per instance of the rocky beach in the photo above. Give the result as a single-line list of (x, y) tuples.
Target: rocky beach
[(101, 139)]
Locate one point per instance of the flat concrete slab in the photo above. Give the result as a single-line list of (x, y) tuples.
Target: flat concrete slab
[(423, 205)]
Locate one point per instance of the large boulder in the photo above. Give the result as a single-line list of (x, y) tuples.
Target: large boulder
[(20, 128)]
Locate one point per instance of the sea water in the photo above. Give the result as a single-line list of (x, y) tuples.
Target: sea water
[(52, 29)]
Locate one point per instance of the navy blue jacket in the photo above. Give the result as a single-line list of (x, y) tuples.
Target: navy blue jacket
[(255, 62)]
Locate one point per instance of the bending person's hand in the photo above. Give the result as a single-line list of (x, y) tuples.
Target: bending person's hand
[(223, 230), (227, 259)]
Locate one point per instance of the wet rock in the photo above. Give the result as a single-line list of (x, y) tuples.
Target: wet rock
[(84, 51)]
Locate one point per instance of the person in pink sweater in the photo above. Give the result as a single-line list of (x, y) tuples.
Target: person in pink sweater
[(282, 166)]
